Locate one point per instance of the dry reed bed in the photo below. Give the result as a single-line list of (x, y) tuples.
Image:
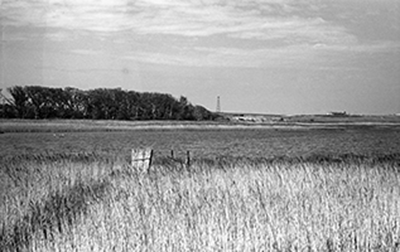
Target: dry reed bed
[(104, 205), (38, 192), (73, 125)]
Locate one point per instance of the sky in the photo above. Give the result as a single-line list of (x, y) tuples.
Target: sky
[(259, 56)]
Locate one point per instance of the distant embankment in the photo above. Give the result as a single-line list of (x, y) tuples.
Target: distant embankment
[(310, 119)]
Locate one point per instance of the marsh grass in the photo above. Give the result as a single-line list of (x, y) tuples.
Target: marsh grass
[(39, 192), (85, 125), (101, 204)]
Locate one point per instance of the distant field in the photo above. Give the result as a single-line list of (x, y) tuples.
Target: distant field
[(60, 125), (204, 141), (67, 186), (291, 122)]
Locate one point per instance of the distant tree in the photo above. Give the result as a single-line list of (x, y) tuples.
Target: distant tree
[(7, 111), (200, 113), (44, 102), (132, 99), (40, 101), (185, 109), (20, 101)]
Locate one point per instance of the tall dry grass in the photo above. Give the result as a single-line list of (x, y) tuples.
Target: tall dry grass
[(104, 205)]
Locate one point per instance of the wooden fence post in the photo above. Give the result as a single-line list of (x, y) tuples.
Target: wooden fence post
[(150, 159), (141, 159), (188, 158)]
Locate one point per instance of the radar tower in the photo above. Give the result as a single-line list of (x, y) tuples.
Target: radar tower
[(218, 104)]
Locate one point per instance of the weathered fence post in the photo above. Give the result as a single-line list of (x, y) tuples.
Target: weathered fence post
[(188, 158), (141, 159)]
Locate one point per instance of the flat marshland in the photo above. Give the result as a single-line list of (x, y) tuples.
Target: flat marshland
[(247, 189)]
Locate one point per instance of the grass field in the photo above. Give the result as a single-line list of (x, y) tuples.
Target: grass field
[(248, 189)]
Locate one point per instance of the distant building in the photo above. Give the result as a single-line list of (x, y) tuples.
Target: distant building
[(248, 118), (338, 113)]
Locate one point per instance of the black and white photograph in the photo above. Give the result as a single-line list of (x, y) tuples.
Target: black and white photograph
[(200, 125)]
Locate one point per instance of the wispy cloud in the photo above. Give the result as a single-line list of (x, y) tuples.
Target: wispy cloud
[(80, 70), (86, 52), (372, 47), (247, 19), (297, 29), (91, 15), (298, 56)]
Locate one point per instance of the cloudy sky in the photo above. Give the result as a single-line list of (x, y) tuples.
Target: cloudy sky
[(268, 56)]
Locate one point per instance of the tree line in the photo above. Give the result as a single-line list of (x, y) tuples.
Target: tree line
[(37, 102)]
